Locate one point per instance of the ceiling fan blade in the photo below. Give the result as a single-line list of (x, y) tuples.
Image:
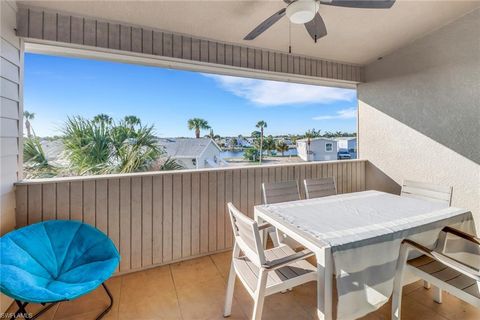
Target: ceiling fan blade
[(265, 25), (288, 1), (316, 27), (362, 4)]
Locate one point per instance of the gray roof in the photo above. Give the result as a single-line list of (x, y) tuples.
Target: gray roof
[(185, 147)]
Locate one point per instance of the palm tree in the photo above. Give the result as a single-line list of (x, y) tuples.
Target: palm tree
[(103, 119), (269, 144), (261, 125), (198, 124), (28, 116), (282, 147), (309, 135), (132, 121), (103, 146), (212, 135), (233, 143), (36, 163)]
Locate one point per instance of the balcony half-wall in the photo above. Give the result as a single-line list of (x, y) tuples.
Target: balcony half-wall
[(156, 218)]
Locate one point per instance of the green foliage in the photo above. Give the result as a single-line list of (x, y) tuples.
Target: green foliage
[(261, 124), (28, 115), (36, 164), (251, 154), (268, 144), (281, 147), (329, 134), (233, 143), (312, 133), (212, 135), (256, 134), (198, 124), (101, 146), (170, 164)]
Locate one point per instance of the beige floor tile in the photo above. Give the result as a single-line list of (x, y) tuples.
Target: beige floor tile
[(195, 290), (199, 271), (411, 310), (34, 308), (409, 288), (92, 303), (148, 295), (222, 261), (448, 308), (468, 312), (206, 301)]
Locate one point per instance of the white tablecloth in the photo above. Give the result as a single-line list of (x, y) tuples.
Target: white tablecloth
[(364, 231)]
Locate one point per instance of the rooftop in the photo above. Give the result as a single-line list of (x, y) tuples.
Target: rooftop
[(186, 147)]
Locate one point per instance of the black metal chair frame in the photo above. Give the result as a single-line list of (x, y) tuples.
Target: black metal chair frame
[(21, 313)]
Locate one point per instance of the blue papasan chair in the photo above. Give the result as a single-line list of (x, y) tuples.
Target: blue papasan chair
[(54, 261)]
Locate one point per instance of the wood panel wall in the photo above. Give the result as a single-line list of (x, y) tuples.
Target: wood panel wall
[(11, 62), (162, 217), (47, 25)]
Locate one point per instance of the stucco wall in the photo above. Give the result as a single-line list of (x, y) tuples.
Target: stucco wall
[(419, 113)]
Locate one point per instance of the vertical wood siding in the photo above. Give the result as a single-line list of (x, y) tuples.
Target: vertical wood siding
[(159, 218), (39, 24)]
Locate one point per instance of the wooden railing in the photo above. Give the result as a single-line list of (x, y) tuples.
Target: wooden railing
[(156, 218)]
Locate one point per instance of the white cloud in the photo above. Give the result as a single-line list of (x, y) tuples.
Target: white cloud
[(349, 113), (274, 93)]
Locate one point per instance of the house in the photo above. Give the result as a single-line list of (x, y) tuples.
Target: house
[(317, 149), (240, 142), (193, 153), (349, 144)]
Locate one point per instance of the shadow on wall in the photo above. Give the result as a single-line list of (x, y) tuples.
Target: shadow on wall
[(432, 86), (376, 179)]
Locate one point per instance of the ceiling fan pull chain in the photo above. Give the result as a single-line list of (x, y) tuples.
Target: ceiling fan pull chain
[(289, 37)]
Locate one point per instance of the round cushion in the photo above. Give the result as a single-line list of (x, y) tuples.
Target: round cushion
[(55, 260)]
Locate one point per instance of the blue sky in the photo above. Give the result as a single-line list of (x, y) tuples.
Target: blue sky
[(57, 87)]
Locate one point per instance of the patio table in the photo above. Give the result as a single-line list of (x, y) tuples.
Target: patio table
[(357, 237)]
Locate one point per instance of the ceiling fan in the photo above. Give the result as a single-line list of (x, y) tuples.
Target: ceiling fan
[(306, 12)]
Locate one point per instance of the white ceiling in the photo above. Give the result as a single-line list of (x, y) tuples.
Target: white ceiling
[(354, 35)]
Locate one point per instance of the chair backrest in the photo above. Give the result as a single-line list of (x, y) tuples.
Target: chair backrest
[(247, 236), (427, 191), (284, 191), (317, 188)]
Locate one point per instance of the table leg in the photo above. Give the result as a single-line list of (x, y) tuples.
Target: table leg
[(325, 284)]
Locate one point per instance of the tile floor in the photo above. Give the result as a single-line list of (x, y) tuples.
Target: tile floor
[(195, 289)]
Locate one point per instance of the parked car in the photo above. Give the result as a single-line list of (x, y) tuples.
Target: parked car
[(343, 154)]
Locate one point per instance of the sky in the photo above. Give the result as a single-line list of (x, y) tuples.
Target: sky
[(59, 87)]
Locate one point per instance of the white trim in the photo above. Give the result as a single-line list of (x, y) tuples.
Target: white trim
[(206, 147), (154, 173), (81, 51)]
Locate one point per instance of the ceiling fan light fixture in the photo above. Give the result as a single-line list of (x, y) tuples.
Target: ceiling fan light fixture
[(301, 11)]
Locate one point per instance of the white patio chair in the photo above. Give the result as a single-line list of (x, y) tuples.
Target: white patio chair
[(317, 188), (427, 191), (276, 192), (263, 272), (444, 272)]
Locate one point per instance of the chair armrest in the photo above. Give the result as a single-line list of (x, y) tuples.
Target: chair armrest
[(278, 263), (446, 260), (461, 234), (264, 225)]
